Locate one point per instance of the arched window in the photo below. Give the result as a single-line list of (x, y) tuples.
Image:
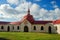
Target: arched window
[(49, 29), (2, 27), (42, 28), (8, 28), (56, 27), (34, 27), (13, 27), (18, 27)]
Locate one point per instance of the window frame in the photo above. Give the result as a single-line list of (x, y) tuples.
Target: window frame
[(34, 27), (2, 27), (42, 27), (13, 27), (18, 27)]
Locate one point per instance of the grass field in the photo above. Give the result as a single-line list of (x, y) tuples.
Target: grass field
[(28, 36)]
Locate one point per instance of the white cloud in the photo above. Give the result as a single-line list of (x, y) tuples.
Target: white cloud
[(53, 2), (13, 1), (5, 6), (16, 2), (23, 7), (51, 15), (15, 14), (6, 12), (55, 6), (34, 9)]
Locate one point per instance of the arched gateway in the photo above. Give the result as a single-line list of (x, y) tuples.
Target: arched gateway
[(25, 28), (8, 28), (49, 29)]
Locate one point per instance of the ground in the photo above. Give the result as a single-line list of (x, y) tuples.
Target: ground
[(28, 36)]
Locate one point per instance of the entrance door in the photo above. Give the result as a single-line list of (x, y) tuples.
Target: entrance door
[(25, 29), (49, 29), (8, 29)]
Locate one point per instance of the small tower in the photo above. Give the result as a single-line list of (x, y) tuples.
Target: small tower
[(28, 11)]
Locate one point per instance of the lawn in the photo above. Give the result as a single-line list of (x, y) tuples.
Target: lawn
[(28, 36)]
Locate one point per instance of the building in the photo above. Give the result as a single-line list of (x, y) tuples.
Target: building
[(28, 24)]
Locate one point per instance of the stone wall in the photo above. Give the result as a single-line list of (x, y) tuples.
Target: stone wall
[(31, 27)]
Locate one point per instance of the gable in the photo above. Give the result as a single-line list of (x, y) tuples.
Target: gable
[(26, 22)]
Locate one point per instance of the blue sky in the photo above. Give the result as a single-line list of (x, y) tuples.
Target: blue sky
[(47, 3), (47, 9)]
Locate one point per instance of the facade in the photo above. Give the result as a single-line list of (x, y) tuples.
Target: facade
[(28, 24)]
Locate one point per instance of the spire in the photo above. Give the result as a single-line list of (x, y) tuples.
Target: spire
[(28, 11)]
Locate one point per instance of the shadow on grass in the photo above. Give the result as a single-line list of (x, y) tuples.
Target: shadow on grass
[(3, 39)]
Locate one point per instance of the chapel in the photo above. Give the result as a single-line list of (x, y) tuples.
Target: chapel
[(29, 24)]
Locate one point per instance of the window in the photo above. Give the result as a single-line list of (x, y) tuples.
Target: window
[(18, 27), (2, 27), (42, 28), (34, 27), (13, 28), (56, 27)]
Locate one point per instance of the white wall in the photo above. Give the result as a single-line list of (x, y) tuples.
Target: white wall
[(26, 23), (53, 29), (58, 28), (38, 28), (31, 27), (10, 26)]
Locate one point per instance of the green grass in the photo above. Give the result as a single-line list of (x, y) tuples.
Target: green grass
[(29, 36)]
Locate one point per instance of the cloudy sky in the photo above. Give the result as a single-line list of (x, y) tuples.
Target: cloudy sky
[(14, 10)]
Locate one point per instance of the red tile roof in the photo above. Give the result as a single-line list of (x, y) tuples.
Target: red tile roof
[(15, 23), (42, 22), (31, 20), (56, 22), (2, 22)]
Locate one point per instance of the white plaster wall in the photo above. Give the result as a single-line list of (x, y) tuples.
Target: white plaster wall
[(58, 28), (28, 25), (38, 28), (53, 30), (21, 27), (2, 29), (10, 26), (31, 27), (15, 28)]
